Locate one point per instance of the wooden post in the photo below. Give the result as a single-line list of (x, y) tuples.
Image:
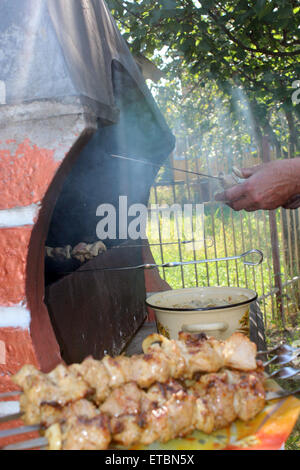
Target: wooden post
[(274, 242)]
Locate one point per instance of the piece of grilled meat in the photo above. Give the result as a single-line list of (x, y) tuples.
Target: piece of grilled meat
[(77, 426)]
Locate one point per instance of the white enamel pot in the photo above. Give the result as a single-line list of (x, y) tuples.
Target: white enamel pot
[(175, 311)]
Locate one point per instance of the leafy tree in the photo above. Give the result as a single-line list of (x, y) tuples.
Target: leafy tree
[(249, 50)]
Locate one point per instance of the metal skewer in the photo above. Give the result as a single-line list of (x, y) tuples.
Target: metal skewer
[(285, 373), (174, 264), (6, 418), (10, 394), (38, 443), (157, 165), (281, 359), (179, 242), (281, 349)]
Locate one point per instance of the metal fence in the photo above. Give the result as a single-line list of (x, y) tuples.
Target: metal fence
[(226, 233)]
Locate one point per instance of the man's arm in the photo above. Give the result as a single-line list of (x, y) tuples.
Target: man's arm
[(266, 186)]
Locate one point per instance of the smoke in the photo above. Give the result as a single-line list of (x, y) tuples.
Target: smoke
[(96, 178)]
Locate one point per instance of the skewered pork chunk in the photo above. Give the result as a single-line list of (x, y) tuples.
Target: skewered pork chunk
[(200, 354), (52, 414), (125, 408), (172, 414), (79, 426), (58, 388), (210, 355), (59, 252), (250, 394), (95, 375), (82, 251), (162, 413), (225, 396), (80, 433), (239, 352)]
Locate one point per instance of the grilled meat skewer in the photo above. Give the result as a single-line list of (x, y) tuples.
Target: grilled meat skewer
[(163, 359), (132, 416), (170, 410)]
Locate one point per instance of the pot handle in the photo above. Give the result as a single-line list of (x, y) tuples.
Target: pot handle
[(199, 327)]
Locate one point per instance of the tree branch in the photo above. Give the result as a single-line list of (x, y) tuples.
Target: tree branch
[(248, 48)]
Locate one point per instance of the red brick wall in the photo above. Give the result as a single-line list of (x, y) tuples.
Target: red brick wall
[(26, 172), (35, 139)]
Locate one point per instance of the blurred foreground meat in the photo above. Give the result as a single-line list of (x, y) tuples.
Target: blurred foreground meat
[(174, 388), (132, 416), (163, 359)]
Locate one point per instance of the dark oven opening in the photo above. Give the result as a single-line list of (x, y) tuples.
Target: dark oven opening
[(93, 311)]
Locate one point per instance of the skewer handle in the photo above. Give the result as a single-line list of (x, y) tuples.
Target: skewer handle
[(175, 264)]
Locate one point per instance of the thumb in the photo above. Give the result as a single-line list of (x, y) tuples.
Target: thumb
[(247, 172)]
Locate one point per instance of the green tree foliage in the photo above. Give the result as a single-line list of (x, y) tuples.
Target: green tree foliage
[(245, 53)]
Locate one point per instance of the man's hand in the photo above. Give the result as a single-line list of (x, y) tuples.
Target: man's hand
[(266, 186)]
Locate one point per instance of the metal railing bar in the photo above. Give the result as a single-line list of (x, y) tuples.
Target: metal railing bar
[(190, 199), (249, 217), (285, 270), (214, 203), (295, 258), (204, 230), (275, 290), (235, 247), (269, 255), (159, 233), (225, 245), (178, 238), (243, 245), (257, 216)]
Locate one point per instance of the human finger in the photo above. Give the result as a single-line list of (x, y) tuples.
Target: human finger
[(243, 204), (247, 172), (233, 194), (292, 203), (220, 196)]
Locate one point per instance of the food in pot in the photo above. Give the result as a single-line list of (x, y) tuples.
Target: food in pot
[(172, 389), (204, 302)]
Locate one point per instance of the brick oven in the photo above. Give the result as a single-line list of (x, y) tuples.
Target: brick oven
[(70, 95)]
